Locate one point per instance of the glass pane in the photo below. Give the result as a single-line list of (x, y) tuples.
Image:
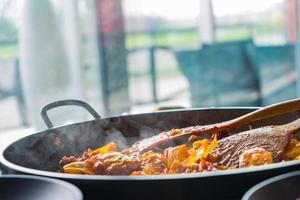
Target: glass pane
[(134, 56), (153, 32)]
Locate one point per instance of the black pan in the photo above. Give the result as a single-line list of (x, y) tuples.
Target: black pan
[(285, 186), (24, 187), (40, 153)]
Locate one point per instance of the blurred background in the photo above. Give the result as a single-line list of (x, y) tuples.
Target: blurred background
[(133, 56)]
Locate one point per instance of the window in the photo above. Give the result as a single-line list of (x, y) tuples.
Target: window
[(136, 56)]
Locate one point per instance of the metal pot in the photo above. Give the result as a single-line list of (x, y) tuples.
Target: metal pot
[(285, 186), (40, 153), (25, 187)]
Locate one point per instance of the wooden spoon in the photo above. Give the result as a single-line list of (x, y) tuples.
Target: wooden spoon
[(262, 113), (273, 139)]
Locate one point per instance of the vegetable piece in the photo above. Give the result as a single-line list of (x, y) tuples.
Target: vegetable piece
[(80, 167), (176, 154), (152, 163), (200, 151), (109, 147), (210, 147), (293, 150), (254, 157)]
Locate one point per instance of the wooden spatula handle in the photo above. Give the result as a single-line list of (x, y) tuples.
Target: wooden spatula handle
[(264, 113)]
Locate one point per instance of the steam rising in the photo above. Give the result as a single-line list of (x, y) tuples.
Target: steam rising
[(146, 132), (117, 137)]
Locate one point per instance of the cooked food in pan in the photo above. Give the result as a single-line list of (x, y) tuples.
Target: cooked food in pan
[(219, 151)]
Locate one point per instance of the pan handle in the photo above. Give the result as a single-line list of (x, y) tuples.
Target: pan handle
[(68, 102)]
